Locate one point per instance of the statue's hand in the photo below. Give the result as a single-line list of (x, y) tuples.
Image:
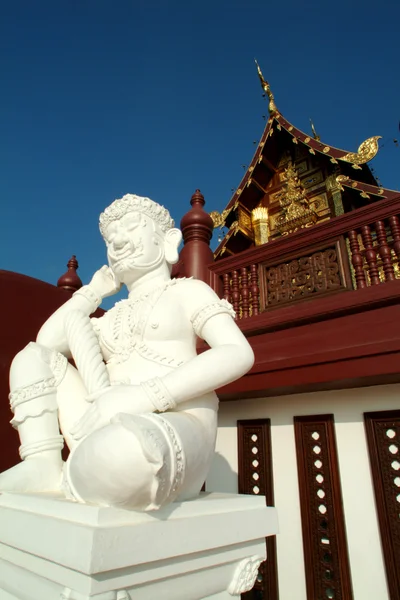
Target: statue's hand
[(107, 403), (104, 282)]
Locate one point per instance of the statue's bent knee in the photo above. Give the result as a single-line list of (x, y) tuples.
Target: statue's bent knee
[(35, 363), (137, 461), (35, 374)]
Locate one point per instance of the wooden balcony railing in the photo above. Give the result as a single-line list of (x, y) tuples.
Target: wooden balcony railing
[(352, 251)]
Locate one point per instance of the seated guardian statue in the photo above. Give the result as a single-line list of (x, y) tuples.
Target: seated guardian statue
[(139, 411)]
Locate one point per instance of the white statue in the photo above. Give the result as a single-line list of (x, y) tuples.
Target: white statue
[(139, 413)]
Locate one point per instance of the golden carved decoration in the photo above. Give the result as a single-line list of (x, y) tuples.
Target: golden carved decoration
[(311, 150), (320, 205), (326, 149), (294, 140), (290, 128), (332, 183), (342, 179), (334, 161), (380, 192), (266, 87), (364, 195), (296, 211), (234, 227), (365, 153), (259, 219), (312, 180), (279, 126), (307, 139), (245, 222), (219, 218)]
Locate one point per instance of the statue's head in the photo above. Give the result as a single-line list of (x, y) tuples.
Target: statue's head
[(139, 235)]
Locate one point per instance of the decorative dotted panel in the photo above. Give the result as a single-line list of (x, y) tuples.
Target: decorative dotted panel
[(255, 477), (324, 535), (383, 435)]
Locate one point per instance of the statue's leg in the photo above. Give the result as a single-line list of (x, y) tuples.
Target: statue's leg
[(136, 462), (72, 404), (34, 376), (143, 462)]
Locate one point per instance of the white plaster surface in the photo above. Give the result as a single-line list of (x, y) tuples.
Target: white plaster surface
[(52, 548), (139, 411), (347, 406)]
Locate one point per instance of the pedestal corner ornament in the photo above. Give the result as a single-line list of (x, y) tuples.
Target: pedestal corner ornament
[(245, 575)]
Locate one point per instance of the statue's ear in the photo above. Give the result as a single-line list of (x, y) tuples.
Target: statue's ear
[(172, 239)]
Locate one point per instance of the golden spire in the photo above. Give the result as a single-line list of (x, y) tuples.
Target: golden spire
[(265, 86), (315, 134)]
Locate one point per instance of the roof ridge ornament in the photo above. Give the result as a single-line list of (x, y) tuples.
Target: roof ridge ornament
[(366, 151), (267, 89), (314, 132)]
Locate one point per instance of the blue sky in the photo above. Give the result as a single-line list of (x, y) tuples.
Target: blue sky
[(101, 98)]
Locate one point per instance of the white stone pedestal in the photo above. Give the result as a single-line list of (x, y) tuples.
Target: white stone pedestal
[(55, 549)]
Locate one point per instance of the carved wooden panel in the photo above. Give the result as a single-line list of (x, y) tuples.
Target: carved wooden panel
[(383, 435), (313, 274), (324, 535), (256, 477)]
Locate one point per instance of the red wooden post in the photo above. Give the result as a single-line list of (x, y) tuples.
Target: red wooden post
[(357, 259), (384, 251), (395, 227), (370, 254), (255, 290), (244, 285), (227, 287), (70, 280), (197, 228), (235, 293)]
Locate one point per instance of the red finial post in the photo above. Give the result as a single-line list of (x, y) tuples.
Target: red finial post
[(197, 229), (70, 280)]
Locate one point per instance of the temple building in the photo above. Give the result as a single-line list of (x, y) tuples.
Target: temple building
[(310, 263)]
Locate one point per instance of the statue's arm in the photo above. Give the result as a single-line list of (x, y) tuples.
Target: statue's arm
[(52, 333), (87, 300), (230, 355)]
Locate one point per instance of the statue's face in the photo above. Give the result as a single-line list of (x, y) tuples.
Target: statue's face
[(134, 246)]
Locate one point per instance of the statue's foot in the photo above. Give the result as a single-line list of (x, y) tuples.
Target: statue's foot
[(36, 474)]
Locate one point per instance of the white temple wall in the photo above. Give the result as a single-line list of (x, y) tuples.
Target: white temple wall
[(347, 406)]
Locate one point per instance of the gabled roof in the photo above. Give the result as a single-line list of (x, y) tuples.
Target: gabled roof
[(276, 125)]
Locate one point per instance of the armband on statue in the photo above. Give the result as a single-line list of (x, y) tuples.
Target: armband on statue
[(158, 394), (93, 299), (205, 312)]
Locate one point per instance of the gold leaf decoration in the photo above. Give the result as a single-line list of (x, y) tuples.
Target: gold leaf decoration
[(366, 152)]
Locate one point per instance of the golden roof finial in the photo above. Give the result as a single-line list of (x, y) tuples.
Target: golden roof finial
[(265, 86), (315, 134)]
